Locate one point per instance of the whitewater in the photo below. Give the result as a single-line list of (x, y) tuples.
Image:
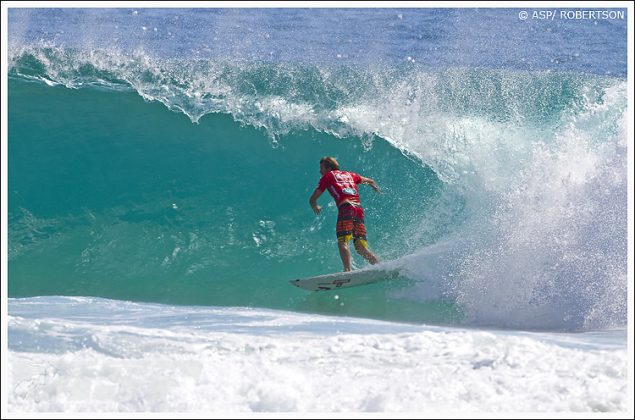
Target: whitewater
[(160, 163), (101, 355)]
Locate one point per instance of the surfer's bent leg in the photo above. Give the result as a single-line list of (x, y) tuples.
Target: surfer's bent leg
[(359, 237), (361, 246)]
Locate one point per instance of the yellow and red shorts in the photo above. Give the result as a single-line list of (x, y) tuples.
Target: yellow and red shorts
[(350, 224)]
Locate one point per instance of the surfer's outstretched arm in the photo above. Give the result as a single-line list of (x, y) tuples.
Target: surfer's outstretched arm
[(370, 182)]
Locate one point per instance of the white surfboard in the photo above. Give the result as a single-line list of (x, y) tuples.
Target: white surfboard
[(345, 279)]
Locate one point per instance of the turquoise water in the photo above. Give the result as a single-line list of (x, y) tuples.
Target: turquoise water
[(112, 196), (146, 175)]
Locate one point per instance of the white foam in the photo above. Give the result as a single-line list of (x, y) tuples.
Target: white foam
[(69, 355)]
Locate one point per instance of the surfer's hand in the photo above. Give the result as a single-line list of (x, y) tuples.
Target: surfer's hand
[(317, 209)]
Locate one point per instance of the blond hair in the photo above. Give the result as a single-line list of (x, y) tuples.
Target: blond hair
[(330, 163)]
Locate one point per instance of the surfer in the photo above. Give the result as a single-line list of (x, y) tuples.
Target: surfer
[(342, 186)]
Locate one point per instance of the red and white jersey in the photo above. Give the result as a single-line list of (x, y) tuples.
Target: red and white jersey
[(342, 185)]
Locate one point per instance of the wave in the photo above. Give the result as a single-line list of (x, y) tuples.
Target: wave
[(506, 190)]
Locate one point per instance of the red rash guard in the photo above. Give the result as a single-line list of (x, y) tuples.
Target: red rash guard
[(342, 186)]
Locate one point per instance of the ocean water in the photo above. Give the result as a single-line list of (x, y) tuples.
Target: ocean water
[(160, 165)]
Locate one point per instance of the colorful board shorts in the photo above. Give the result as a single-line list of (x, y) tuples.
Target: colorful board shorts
[(350, 225)]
